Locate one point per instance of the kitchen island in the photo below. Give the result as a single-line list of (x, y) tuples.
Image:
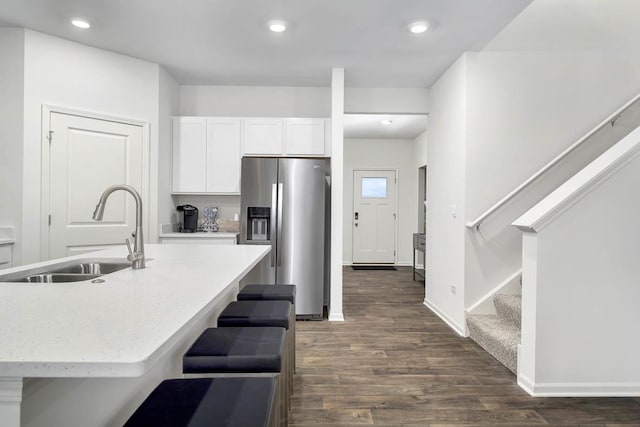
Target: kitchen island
[(88, 354)]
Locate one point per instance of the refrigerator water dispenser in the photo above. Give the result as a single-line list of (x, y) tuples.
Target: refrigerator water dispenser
[(258, 223)]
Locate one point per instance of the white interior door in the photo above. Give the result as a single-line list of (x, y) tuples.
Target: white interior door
[(86, 156), (374, 216)]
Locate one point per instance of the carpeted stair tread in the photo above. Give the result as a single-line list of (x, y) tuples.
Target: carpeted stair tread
[(509, 308), (497, 337)]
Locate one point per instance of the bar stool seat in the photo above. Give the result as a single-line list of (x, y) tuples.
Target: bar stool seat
[(236, 349), (203, 402), (255, 292), (265, 313), (244, 351), (256, 313)]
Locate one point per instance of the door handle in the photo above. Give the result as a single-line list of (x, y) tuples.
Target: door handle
[(272, 238), (355, 216), (279, 241)]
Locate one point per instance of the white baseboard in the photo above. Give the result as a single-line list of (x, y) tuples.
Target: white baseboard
[(485, 304), (630, 389), (462, 331), (336, 317)]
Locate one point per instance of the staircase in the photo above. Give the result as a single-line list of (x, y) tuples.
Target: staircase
[(499, 334)]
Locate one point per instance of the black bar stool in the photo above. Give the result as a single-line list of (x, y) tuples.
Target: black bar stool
[(254, 292), (243, 351), (264, 313), (209, 402)]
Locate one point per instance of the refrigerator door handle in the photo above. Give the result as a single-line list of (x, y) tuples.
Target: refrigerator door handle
[(274, 206), (279, 233)]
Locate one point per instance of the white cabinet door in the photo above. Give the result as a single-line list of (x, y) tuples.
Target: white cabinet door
[(223, 155), (263, 136), (305, 137), (189, 154)]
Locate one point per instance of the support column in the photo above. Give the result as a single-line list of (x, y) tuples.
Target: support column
[(337, 188)]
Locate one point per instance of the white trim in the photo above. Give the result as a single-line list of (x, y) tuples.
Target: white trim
[(462, 331), (149, 200), (594, 389), (487, 298), (396, 171), (581, 184), (524, 382), (10, 400), (336, 317)]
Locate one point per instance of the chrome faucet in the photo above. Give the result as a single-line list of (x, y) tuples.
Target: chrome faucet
[(137, 255)]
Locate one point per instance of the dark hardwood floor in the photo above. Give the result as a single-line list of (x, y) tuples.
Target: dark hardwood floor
[(395, 363)]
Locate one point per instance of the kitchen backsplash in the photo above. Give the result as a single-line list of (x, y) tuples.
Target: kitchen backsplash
[(228, 206)]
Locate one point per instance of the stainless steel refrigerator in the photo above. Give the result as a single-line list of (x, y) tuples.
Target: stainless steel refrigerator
[(283, 205)]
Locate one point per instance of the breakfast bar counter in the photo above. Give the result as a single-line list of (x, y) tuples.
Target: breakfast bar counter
[(86, 353)]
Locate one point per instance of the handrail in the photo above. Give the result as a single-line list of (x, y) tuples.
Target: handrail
[(476, 223)]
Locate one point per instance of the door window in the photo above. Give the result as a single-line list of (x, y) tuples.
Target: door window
[(374, 188)]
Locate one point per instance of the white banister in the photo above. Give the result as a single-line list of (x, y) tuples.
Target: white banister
[(609, 121)]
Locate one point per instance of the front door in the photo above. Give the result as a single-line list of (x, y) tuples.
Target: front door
[(374, 216), (86, 156)]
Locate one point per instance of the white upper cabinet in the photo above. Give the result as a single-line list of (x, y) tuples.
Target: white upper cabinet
[(223, 155), (286, 137), (207, 151), (263, 136), (305, 137), (206, 155), (189, 155)]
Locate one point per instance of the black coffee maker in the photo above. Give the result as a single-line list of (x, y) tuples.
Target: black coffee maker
[(189, 218)]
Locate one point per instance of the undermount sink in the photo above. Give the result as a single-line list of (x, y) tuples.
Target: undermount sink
[(56, 278), (95, 268), (74, 271)]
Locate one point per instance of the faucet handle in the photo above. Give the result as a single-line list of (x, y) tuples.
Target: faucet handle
[(133, 256)]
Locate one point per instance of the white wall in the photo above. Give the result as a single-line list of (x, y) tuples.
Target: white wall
[(168, 106), (258, 101), (383, 154), (446, 189), (63, 73), (11, 129), (386, 100), (523, 109), (580, 286), (420, 150)]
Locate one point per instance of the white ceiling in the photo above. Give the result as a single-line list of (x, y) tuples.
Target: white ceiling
[(570, 25), (226, 42), (370, 126)]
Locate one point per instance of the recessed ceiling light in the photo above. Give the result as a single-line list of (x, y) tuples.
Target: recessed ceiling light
[(80, 23), (277, 26), (386, 122), (418, 27)]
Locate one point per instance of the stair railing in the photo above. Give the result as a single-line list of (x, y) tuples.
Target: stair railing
[(609, 121)]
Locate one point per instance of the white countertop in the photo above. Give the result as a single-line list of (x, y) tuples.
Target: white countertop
[(118, 328)]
